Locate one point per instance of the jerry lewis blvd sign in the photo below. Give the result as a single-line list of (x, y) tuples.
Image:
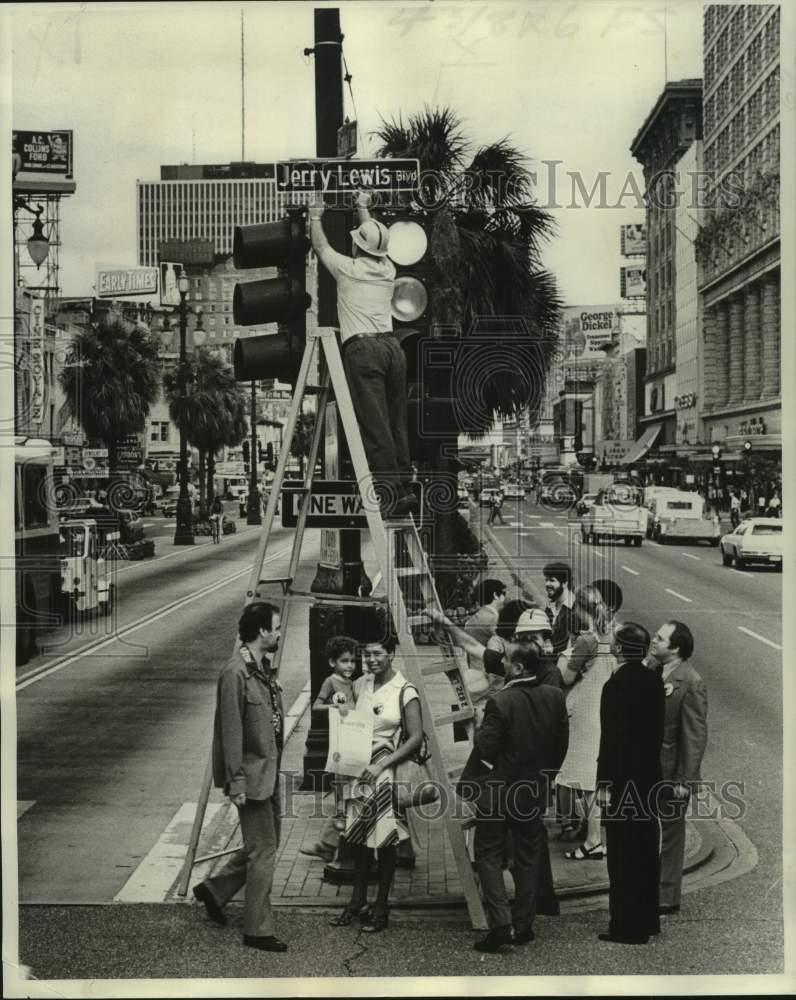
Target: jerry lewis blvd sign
[(340, 176)]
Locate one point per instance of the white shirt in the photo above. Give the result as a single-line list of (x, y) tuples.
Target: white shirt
[(364, 292)]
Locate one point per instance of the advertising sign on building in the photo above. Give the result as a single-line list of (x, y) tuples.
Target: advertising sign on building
[(633, 240), (170, 274), (586, 329), (37, 372), (43, 161), (113, 281), (633, 282), (197, 251), (613, 451)]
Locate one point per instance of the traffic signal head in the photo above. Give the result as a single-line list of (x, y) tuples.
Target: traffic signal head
[(747, 447), (246, 450)]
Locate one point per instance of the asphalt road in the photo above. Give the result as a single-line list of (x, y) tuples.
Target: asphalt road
[(114, 729)]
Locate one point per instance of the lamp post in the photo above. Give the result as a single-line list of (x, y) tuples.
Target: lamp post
[(253, 515), (183, 534), (716, 452)]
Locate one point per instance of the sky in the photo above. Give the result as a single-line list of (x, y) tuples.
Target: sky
[(146, 84)]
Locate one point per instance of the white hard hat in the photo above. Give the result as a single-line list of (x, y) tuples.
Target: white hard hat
[(372, 237), (534, 620)]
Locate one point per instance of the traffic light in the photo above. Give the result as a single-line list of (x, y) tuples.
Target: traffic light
[(246, 448), (283, 299), (747, 449), (429, 356), (259, 451), (269, 454)]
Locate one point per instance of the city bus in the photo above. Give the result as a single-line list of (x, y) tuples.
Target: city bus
[(36, 544)]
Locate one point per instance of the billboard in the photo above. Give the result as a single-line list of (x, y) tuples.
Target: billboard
[(197, 251), (633, 282), (113, 281), (633, 240), (37, 370), (43, 161), (586, 329), (170, 274)]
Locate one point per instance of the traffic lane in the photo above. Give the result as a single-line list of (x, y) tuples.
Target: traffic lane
[(111, 747), (158, 526), (144, 587)]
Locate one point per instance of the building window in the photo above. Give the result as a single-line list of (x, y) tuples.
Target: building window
[(159, 431)]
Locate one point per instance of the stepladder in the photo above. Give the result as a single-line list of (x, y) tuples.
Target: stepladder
[(407, 592)]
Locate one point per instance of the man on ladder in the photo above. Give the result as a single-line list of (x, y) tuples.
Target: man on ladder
[(374, 361)]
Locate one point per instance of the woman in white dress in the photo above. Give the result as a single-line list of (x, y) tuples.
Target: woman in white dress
[(585, 667), (375, 821)]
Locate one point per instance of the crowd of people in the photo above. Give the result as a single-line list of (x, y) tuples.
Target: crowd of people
[(585, 725)]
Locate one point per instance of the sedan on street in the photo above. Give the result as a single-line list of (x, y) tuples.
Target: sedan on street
[(757, 540)]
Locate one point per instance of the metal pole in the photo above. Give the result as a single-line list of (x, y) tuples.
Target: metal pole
[(183, 534), (253, 514)]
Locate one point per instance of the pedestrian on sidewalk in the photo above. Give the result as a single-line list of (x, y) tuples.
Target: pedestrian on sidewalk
[(628, 772), (585, 667), (482, 624), (375, 814), (247, 750), (774, 505), (685, 737), (613, 599), (374, 361), (520, 744), (735, 509)]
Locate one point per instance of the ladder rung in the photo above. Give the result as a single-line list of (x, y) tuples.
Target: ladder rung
[(274, 579), (462, 716), (410, 571), (438, 667), (336, 598)]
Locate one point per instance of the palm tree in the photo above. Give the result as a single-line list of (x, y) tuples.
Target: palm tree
[(213, 412), (110, 380), (485, 265)]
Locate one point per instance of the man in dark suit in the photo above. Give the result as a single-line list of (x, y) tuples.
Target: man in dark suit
[(247, 749), (685, 736), (628, 771), (518, 750)]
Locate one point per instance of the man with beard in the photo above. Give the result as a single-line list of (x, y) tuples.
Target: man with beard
[(557, 585), (247, 751)]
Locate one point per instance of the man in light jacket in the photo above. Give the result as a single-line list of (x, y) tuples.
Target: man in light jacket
[(247, 749), (685, 737)]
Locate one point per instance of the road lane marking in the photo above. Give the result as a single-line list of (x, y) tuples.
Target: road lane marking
[(560, 533), (629, 570), (761, 638), (39, 673), (139, 563), (682, 597), (597, 553), (689, 556), (547, 524)]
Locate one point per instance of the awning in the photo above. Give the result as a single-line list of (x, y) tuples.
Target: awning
[(642, 446)]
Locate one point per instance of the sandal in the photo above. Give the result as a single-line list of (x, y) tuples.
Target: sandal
[(376, 921), (348, 915), (583, 853), (569, 831)]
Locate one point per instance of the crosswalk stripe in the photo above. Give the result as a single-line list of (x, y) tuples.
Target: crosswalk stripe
[(156, 874)]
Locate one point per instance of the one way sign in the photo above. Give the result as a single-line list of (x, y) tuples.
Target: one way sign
[(333, 504)]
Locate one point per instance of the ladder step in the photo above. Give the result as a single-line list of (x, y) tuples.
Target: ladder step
[(322, 598), (409, 571), (462, 716), (438, 667), (275, 579)]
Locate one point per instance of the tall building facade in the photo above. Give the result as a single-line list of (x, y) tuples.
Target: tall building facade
[(738, 248), (668, 146)]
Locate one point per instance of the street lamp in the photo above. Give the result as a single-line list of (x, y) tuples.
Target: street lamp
[(183, 534)]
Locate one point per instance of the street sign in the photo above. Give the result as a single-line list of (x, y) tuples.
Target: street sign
[(338, 176), (333, 504), (347, 139)]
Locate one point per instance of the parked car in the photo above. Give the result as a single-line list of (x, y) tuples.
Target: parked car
[(513, 491), (587, 501), (756, 540), (168, 502)]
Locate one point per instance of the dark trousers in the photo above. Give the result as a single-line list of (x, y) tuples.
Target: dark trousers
[(495, 512), (252, 865), (491, 834), (375, 368), (633, 871)]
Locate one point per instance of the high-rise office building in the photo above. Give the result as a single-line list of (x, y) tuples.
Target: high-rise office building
[(738, 248)]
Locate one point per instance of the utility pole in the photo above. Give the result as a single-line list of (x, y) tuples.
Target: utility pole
[(341, 570)]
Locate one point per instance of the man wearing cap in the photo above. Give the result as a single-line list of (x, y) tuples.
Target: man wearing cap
[(560, 599), (374, 361)]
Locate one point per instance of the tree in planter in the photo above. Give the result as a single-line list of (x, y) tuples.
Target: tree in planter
[(110, 380), (485, 253), (302, 439), (213, 412)]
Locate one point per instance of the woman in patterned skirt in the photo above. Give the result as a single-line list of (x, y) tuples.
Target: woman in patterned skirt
[(585, 667), (374, 819)]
